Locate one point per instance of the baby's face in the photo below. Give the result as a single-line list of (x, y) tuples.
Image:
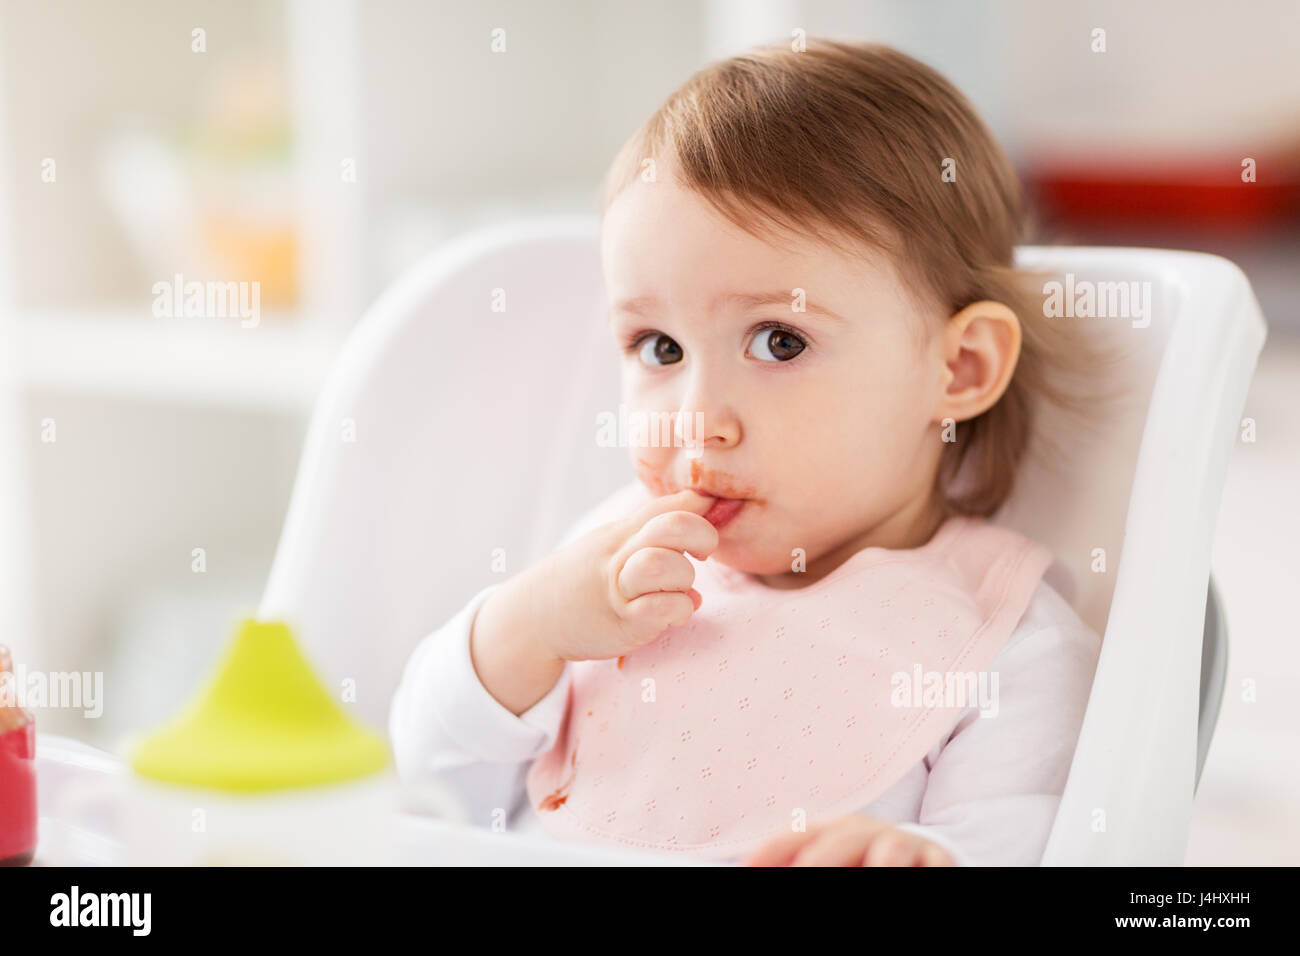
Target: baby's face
[(823, 421)]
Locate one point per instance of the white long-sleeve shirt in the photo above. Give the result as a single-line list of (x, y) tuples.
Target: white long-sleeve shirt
[(987, 793)]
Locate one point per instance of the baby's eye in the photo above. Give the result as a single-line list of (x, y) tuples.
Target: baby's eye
[(659, 349), (775, 345)]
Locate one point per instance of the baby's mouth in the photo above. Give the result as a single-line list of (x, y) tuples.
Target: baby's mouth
[(723, 510), (728, 492)]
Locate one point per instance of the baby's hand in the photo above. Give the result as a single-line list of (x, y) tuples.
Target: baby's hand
[(606, 594), (630, 580), (851, 841), (613, 590)]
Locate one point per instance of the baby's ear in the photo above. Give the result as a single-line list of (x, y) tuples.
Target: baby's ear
[(981, 345)]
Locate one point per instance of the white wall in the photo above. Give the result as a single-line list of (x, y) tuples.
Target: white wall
[(453, 134)]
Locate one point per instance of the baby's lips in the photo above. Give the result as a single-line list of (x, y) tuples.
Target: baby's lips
[(696, 501)]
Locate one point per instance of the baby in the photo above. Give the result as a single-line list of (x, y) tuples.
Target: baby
[(795, 640)]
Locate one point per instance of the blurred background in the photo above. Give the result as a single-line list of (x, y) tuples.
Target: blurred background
[(319, 147)]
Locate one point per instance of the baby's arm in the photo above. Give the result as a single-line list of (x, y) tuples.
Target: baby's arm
[(444, 724), (485, 694), (994, 788)]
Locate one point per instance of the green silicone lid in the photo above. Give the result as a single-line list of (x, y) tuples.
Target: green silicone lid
[(263, 722)]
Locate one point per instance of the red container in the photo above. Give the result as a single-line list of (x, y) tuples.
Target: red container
[(17, 773), (1164, 192)]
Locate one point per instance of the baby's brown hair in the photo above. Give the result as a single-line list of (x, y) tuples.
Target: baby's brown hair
[(850, 141)]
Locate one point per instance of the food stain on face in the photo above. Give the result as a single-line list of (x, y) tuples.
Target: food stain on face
[(650, 478), (709, 481), (719, 484), (557, 799), (620, 663)]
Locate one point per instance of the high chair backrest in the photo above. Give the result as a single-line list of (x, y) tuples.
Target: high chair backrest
[(453, 443), (1130, 510), (466, 425)]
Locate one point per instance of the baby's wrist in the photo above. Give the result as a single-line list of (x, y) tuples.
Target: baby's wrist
[(512, 662)]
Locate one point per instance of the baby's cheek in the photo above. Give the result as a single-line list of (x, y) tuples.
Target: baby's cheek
[(650, 473)]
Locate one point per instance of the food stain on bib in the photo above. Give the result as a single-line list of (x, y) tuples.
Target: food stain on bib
[(556, 799)]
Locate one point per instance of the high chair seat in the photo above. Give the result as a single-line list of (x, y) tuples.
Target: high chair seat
[(455, 441)]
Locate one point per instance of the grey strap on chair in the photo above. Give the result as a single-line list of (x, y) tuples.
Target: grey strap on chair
[(1214, 673)]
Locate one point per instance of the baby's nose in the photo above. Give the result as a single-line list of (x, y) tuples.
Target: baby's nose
[(694, 431)]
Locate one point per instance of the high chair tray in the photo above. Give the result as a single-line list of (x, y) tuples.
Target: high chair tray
[(422, 842), (64, 764)]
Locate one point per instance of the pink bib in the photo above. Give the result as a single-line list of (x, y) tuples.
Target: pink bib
[(774, 706)]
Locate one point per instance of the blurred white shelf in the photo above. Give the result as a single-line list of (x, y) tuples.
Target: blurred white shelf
[(277, 366)]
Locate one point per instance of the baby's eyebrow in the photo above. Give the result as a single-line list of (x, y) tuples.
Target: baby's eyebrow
[(636, 306), (745, 300), (748, 300)]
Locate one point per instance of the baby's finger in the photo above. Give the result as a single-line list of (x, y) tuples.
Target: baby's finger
[(652, 613), (934, 855), (834, 846), (891, 848), (684, 500), (655, 569), (678, 530), (779, 851)]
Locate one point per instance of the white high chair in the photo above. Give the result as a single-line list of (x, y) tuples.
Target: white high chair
[(459, 428)]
